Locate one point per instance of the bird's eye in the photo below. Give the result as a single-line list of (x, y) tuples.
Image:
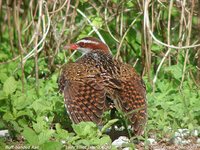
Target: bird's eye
[(81, 44)]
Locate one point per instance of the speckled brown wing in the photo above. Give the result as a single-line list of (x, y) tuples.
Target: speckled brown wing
[(132, 98), (84, 93)]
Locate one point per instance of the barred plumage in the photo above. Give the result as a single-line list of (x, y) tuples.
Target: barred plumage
[(97, 75)]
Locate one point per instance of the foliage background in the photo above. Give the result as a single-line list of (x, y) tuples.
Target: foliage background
[(159, 38)]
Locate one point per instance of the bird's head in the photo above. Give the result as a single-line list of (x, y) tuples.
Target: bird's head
[(89, 44)]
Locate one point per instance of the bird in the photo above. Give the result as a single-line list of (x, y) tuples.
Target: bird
[(97, 76)]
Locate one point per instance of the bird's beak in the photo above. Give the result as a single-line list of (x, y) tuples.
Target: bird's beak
[(71, 47)]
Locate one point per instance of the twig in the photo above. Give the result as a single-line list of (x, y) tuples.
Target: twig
[(106, 23), (168, 42), (147, 24), (13, 59), (72, 54), (0, 5), (32, 16), (187, 42), (55, 11), (36, 42), (135, 62), (181, 35), (32, 22), (31, 53), (181, 24), (146, 47), (73, 17), (121, 20), (9, 29), (62, 31), (119, 47), (21, 50)]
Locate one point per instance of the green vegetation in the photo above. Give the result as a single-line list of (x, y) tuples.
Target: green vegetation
[(32, 38)]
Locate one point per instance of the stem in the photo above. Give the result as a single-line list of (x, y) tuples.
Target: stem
[(168, 42), (21, 50), (147, 24), (37, 32), (187, 43)]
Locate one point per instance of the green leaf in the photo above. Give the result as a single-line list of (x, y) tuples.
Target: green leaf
[(24, 113), (2, 144), (3, 77), (85, 129), (73, 139), (84, 142), (8, 116), (21, 102), (101, 141), (2, 95), (108, 125), (97, 21), (175, 70), (105, 140), (156, 48), (22, 122), (40, 125), (10, 86), (45, 135), (163, 86), (30, 136), (195, 20), (52, 145), (175, 11), (41, 106), (63, 134), (16, 126), (3, 56)]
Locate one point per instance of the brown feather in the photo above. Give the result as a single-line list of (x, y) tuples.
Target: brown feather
[(96, 76)]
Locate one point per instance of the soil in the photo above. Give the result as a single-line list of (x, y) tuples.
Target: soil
[(164, 145)]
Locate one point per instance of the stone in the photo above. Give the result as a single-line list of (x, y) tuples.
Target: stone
[(198, 141), (151, 141), (182, 133), (121, 140), (4, 133), (195, 133)]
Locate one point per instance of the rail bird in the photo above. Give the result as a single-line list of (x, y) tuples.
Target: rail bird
[(94, 78)]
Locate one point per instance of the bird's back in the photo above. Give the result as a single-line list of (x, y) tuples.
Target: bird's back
[(95, 76)]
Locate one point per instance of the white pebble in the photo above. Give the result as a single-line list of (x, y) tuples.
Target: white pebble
[(4, 133), (182, 133), (180, 141), (63, 142), (195, 133), (198, 141), (121, 140), (151, 141), (185, 142), (177, 140)]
